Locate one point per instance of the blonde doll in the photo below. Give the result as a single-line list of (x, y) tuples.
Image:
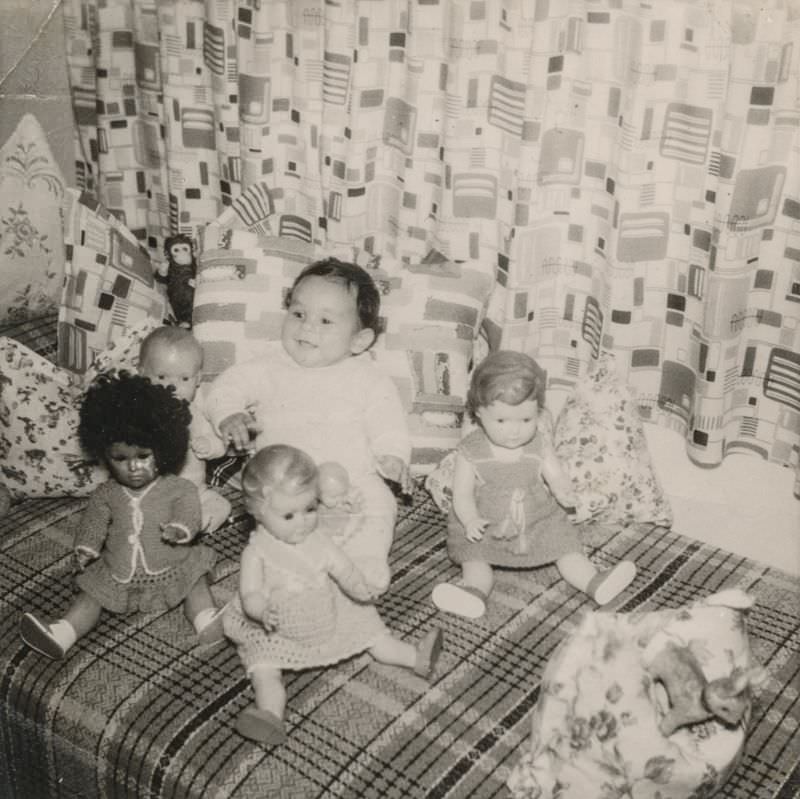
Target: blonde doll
[(302, 602), (502, 513)]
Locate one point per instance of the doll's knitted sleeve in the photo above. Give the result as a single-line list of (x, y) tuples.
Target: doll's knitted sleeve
[(93, 528), (345, 572), (185, 510)]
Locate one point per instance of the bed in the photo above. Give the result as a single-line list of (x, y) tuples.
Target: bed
[(136, 710)]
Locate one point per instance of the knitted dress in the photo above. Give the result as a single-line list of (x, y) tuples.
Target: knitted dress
[(318, 624), (528, 527), (136, 569)]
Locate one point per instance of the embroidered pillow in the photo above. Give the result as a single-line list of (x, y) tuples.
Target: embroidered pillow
[(39, 451), (109, 283), (31, 239), (600, 440), (432, 312)]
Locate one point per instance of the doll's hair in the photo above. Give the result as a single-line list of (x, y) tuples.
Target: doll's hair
[(119, 407), (171, 337), (355, 279), (509, 376), (178, 238), (279, 466)]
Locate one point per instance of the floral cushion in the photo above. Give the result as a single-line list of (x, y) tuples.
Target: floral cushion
[(594, 730), (31, 239), (39, 451), (109, 283), (432, 313), (600, 439)]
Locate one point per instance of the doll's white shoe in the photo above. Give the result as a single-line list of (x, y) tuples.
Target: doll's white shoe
[(428, 651), (40, 637), (260, 725), (608, 585), (460, 600)]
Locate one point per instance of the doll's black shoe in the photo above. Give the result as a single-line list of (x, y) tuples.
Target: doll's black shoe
[(428, 651), (39, 637), (260, 725)]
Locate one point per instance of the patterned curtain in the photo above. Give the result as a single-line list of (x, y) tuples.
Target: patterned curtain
[(629, 171)]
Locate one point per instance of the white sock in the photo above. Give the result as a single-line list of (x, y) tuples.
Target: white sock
[(64, 633), (203, 618)]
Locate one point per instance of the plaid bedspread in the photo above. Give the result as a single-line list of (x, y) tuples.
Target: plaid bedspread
[(137, 710)]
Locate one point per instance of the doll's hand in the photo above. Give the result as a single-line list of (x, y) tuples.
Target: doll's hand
[(393, 468), (475, 528), (237, 429), (201, 446), (176, 533), (269, 619), (83, 557)]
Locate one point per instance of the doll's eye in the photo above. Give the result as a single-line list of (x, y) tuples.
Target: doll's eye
[(326, 321), (287, 517), (312, 508), (297, 314)]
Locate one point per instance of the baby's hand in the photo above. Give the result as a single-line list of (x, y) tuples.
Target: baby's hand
[(176, 533), (236, 430), (475, 528), (393, 468)]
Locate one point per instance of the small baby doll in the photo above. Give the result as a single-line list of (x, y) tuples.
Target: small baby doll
[(172, 356), (319, 390), (302, 602), (180, 277), (135, 545), (502, 513)]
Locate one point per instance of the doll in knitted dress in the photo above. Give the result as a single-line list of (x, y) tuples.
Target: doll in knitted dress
[(302, 602), (502, 512), (134, 547)]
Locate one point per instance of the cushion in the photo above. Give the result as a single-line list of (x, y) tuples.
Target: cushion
[(432, 313), (109, 283), (39, 451), (600, 439), (31, 239), (595, 727)]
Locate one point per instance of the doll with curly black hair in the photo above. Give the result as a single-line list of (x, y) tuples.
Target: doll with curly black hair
[(135, 547)]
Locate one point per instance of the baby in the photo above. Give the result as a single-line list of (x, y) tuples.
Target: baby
[(172, 356), (318, 389), (301, 602)]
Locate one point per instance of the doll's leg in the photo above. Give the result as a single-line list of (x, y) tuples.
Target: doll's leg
[(581, 573), (421, 659), (202, 611), (54, 640), (263, 721), (215, 509), (467, 597)]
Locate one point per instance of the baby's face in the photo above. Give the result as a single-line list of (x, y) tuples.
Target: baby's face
[(170, 366), (321, 326), (290, 517), (509, 426)]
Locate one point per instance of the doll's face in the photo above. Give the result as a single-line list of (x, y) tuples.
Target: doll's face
[(321, 326), (509, 426), (172, 366), (290, 517), (181, 253), (131, 466)]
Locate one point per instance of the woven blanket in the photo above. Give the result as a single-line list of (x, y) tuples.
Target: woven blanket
[(136, 710)]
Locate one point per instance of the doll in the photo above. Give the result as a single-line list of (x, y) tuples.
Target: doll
[(180, 277), (134, 547), (502, 513), (172, 356), (302, 602)]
